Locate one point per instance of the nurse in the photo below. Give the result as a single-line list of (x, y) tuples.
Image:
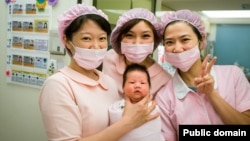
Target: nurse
[(200, 92), (133, 40), (74, 101)]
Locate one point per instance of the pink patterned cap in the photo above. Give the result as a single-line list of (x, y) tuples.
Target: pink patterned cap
[(65, 19), (183, 15)]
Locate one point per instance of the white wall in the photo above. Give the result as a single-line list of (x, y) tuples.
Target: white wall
[(20, 118)]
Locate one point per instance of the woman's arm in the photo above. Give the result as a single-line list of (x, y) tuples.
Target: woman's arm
[(205, 84), (134, 116), (227, 113)]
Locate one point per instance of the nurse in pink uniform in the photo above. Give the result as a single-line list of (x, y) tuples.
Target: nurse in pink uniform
[(74, 101), (200, 92), (134, 40)]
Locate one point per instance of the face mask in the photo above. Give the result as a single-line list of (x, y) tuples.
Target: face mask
[(89, 58), (136, 53), (183, 60)]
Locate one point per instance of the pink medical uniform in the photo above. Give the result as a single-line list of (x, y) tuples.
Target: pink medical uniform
[(74, 106), (114, 65), (180, 105)]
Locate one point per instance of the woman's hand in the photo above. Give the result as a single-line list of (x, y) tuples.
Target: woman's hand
[(140, 112), (205, 82)]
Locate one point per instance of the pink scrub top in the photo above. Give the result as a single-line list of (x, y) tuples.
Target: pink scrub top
[(74, 106), (114, 66), (180, 105)]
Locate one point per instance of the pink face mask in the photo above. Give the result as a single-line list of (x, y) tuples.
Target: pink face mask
[(183, 60), (89, 58), (136, 53)]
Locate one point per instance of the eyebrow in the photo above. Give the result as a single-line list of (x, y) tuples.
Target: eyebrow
[(147, 31), (89, 33), (183, 36)]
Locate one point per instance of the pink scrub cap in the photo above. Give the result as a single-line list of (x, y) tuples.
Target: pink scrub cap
[(135, 13), (65, 19), (183, 15)]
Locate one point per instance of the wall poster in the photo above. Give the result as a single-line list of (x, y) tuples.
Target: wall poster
[(28, 42)]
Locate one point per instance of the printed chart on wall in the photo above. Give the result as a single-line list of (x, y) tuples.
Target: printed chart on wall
[(28, 42)]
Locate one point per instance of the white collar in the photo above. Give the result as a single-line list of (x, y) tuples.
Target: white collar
[(180, 87)]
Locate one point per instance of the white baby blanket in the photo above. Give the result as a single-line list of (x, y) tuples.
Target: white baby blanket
[(150, 131)]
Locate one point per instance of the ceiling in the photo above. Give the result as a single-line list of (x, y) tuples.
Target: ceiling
[(199, 5)]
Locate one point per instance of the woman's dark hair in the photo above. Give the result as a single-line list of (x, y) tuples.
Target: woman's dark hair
[(135, 67), (196, 31), (127, 26), (78, 22)]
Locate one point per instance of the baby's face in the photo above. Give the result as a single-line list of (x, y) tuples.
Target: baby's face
[(136, 86)]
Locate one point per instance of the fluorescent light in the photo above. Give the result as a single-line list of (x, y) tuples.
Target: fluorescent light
[(228, 14)]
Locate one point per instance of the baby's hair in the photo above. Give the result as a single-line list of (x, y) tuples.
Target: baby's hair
[(135, 67)]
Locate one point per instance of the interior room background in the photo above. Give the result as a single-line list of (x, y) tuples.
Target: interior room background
[(20, 117)]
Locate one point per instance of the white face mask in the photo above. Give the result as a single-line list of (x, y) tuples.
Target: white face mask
[(183, 60), (136, 53), (89, 58)]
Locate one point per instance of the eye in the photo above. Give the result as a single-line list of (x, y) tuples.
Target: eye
[(86, 38), (168, 43), (128, 35), (146, 36), (131, 82), (185, 39), (103, 39)]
